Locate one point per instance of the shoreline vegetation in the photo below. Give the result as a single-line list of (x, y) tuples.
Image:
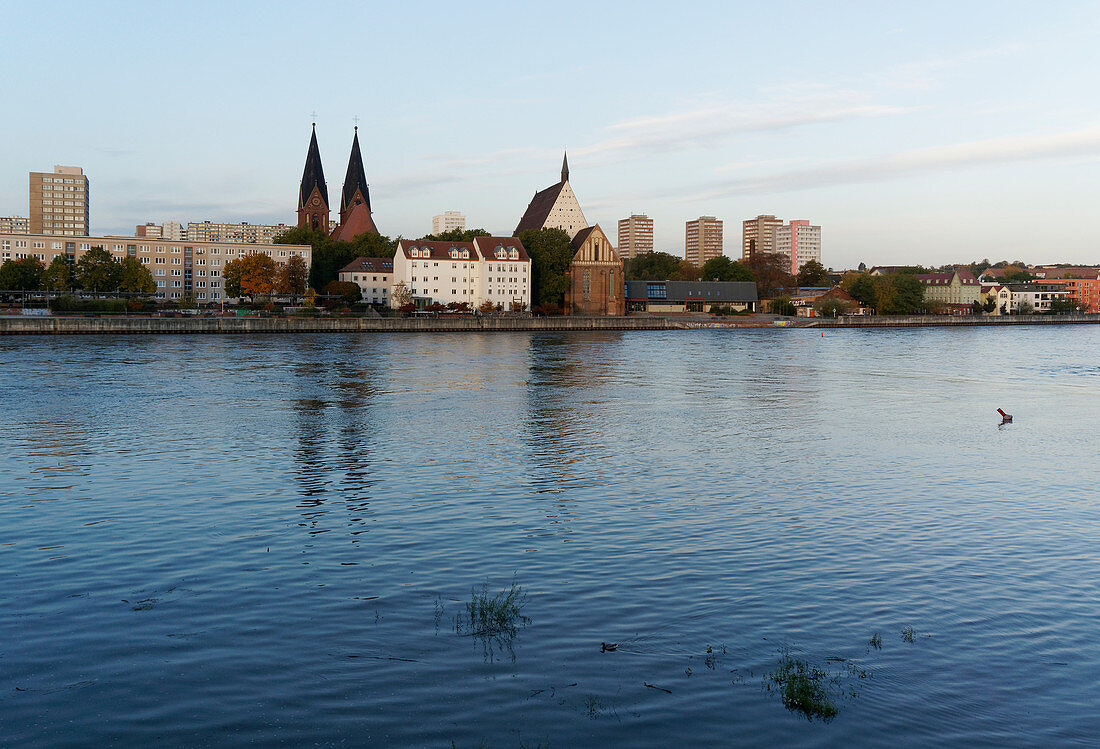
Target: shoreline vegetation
[(75, 325)]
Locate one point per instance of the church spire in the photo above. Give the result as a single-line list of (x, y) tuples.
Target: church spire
[(355, 182), (565, 168), (313, 191)]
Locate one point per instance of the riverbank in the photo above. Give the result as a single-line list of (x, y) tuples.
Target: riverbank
[(57, 325)]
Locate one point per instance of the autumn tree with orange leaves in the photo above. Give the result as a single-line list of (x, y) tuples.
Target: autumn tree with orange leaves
[(253, 275)]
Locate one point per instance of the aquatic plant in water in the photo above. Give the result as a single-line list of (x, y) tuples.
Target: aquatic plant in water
[(493, 616), (907, 634), (493, 619), (803, 687)]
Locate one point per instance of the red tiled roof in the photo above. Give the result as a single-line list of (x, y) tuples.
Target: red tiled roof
[(437, 250), (1050, 273), (487, 247), (539, 208)]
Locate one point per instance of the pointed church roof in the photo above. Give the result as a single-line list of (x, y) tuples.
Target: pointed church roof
[(539, 209), (565, 167), (313, 176), (358, 222), (356, 178)]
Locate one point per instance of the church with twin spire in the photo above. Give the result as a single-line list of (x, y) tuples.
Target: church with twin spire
[(314, 210)]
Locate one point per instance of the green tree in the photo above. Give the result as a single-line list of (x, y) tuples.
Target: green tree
[(989, 304), (98, 271), (58, 276), (652, 266), (24, 274), (1063, 306), (456, 235), (860, 287), (722, 268), (1016, 275), (135, 277), (551, 252), (832, 307), (369, 245), (813, 273), (910, 294)]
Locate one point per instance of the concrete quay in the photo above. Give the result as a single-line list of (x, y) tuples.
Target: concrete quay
[(56, 325)]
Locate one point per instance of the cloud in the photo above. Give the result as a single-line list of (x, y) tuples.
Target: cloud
[(714, 124), (1004, 150)]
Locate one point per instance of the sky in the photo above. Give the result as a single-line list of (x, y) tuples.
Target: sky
[(910, 132)]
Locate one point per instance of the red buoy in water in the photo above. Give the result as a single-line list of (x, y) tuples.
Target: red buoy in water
[(1005, 418)]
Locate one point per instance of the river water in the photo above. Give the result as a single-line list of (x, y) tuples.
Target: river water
[(218, 540)]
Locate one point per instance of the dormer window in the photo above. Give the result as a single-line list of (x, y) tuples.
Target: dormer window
[(513, 254), (465, 254), (454, 253)]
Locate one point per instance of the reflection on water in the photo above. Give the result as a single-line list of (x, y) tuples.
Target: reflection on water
[(275, 540)]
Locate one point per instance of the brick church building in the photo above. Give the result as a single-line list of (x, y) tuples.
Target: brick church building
[(313, 202)]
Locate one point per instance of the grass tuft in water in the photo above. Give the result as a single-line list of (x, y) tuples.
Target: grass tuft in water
[(875, 641), (804, 688), (907, 634), (493, 616)]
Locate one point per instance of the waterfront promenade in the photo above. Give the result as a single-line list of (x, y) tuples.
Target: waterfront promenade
[(58, 325)]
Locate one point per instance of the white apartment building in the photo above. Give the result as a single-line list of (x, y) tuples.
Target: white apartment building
[(373, 276), (14, 225), (1033, 297), (447, 221), (800, 242), (495, 269), (242, 233), (179, 268)]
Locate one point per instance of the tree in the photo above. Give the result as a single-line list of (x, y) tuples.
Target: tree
[(989, 305), (1016, 275), (486, 307), (652, 266), (329, 256), (134, 277), (98, 271), (860, 287), (58, 276), (782, 305), (1025, 308), (1063, 305), (456, 235), (348, 291), (551, 252), (771, 272), (293, 277), (721, 268), (910, 294), (812, 273), (23, 274), (862, 266), (832, 307), (253, 275), (401, 296)]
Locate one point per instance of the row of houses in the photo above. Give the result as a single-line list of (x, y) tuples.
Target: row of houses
[(496, 270), (957, 292)]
